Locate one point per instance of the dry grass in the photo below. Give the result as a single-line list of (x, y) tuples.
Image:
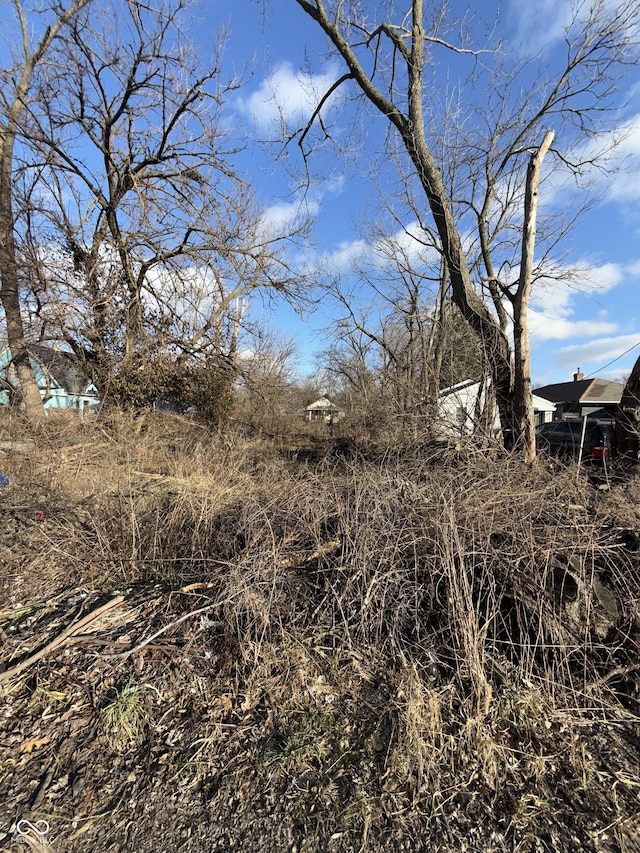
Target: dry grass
[(404, 639), (124, 719)]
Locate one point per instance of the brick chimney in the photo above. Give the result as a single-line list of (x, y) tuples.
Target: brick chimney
[(578, 376)]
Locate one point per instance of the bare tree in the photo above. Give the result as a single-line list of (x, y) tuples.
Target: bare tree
[(158, 243), (390, 63), (17, 92), (398, 341), (266, 376)]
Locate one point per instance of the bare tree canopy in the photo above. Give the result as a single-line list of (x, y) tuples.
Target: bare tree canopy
[(468, 145), (139, 239), (397, 339)]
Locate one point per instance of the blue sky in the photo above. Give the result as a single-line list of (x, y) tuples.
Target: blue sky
[(589, 323)]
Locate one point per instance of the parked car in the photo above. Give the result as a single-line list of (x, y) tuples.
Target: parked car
[(562, 438)]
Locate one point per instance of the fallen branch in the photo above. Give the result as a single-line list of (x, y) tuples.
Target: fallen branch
[(301, 559), (60, 640), (163, 630)]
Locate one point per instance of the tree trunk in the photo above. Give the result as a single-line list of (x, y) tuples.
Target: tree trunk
[(523, 401), (493, 340), (9, 282), (412, 131), (9, 279)]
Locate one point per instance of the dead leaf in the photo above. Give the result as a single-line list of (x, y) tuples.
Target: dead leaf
[(34, 743), (57, 694), (223, 705), (64, 717)]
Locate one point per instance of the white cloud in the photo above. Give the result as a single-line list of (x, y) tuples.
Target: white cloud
[(334, 185), (553, 297), (285, 98), (283, 215), (624, 182), (616, 162), (544, 328), (278, 217), (541, 24), (611, 168), (409, 244), (552, 314), (594, 355), (347, 253)]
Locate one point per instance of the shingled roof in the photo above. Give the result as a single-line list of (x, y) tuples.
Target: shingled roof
[(63, 367), (598, 392)]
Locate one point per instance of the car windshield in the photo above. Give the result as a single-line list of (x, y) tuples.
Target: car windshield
[(560, 428)]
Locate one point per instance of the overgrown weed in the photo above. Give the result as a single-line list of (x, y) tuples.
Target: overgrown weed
[(432, 620)]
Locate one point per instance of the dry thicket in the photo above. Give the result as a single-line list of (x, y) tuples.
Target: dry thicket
[(399, 652)]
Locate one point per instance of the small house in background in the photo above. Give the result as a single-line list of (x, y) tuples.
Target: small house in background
[(465, 407), (583, 396), (61, 382), (462, 406), (543, 410), (323, 411)]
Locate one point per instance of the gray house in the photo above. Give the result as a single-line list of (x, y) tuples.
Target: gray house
[(583, 396)]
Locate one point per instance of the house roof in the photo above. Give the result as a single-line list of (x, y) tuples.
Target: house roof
[(564, 392), (602, 392), (460, 386), (63, 367), (323, 403), (542, 404), (587, 391)]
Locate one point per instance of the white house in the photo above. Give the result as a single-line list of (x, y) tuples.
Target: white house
[(464, 407), (323, 410)]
